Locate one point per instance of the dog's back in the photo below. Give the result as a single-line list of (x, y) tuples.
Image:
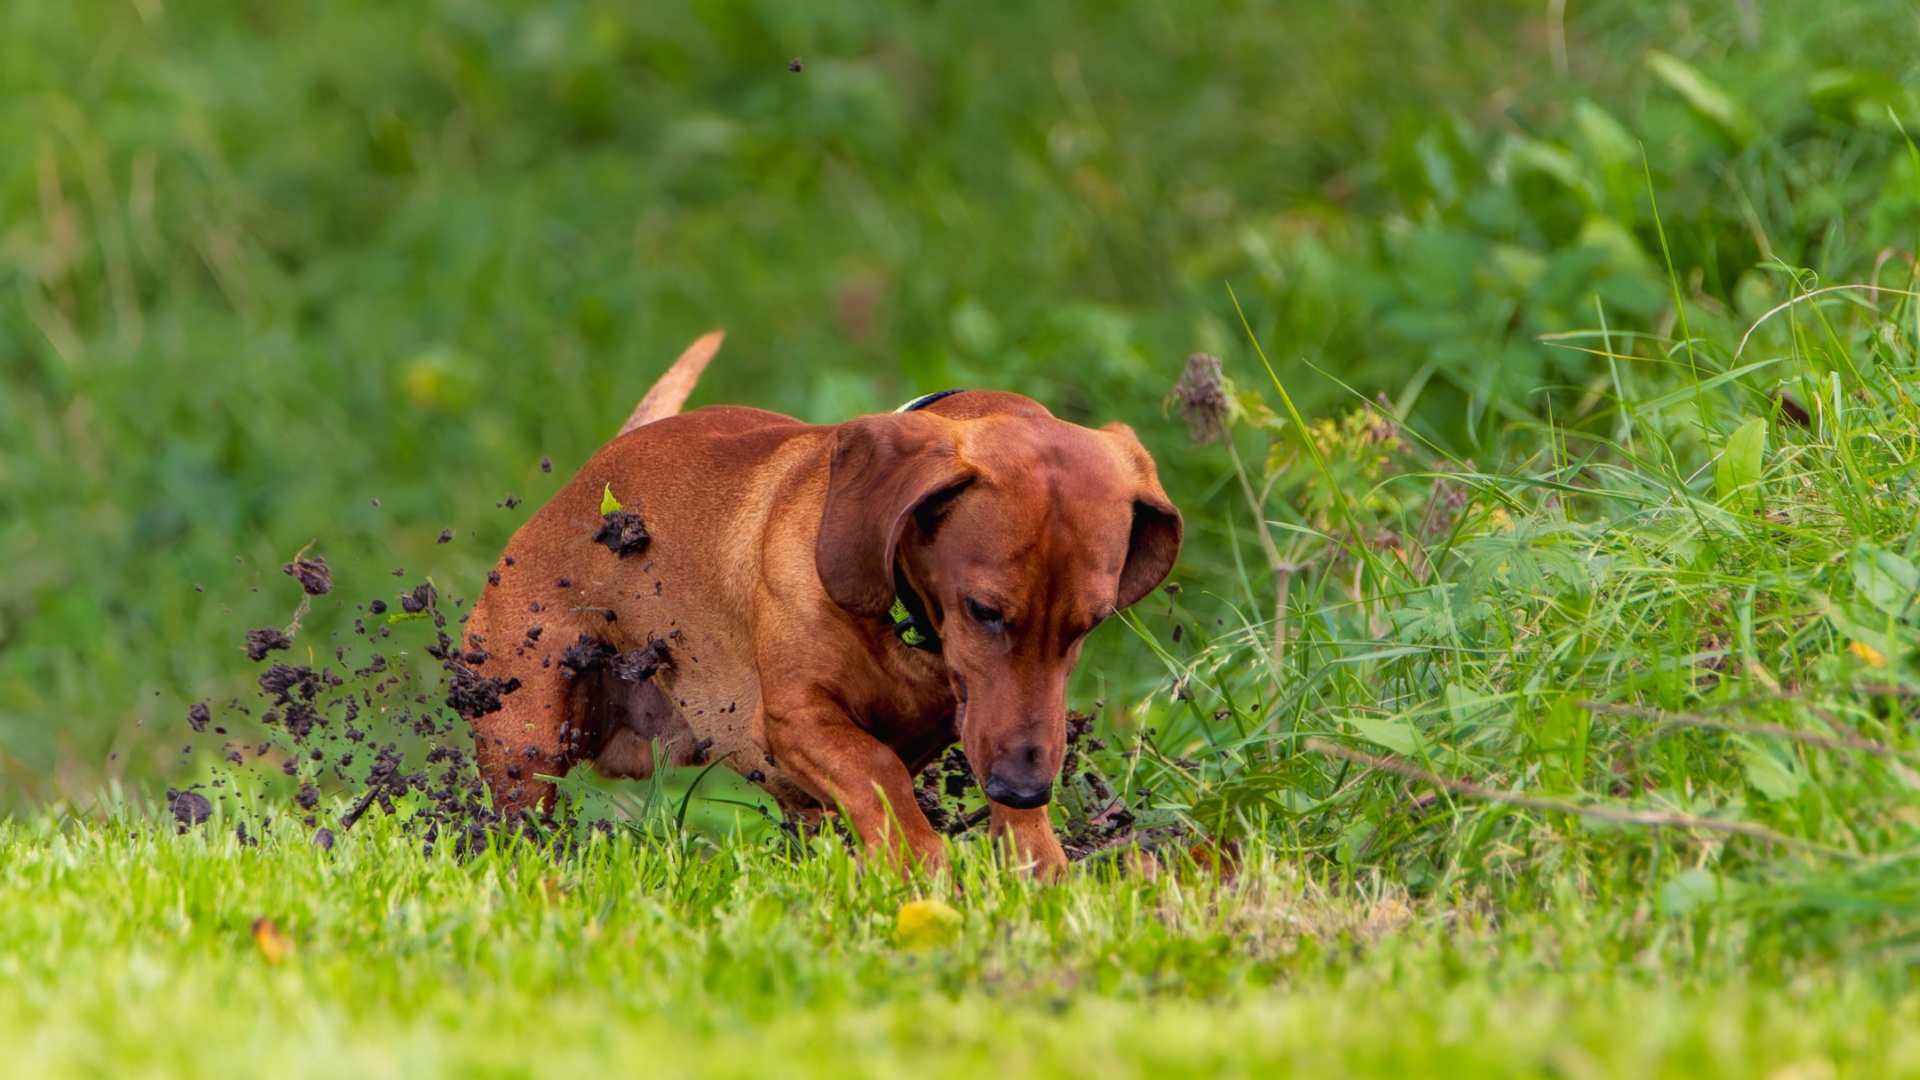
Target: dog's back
[(639, 641)]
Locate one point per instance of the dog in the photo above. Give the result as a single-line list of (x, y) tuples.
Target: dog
[(825, 608)]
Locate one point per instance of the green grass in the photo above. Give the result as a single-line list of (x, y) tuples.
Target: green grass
[(1545, 657), (267, 262), (127, 954), (1634, 799)]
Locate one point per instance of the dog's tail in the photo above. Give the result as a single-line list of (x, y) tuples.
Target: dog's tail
[(671, 390)]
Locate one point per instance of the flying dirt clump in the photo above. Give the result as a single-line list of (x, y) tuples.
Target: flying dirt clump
[(362, 720), (312, 574), (294, 689), (265, 640), (623, 533), (472, 694), (418, 600), (189, 807)]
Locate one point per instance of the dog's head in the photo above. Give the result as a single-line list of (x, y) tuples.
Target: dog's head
[(1020, 532)]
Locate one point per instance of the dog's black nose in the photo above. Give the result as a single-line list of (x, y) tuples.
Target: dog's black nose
[(1019, 795)]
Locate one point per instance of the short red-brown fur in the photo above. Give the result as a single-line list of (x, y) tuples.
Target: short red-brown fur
[(772, 561)]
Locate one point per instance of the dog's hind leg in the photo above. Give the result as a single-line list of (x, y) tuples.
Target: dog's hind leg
[(638, 716), (544, 726), (540, 730)]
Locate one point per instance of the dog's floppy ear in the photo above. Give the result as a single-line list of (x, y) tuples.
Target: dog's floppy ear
[(1157, 527), (884, 468)]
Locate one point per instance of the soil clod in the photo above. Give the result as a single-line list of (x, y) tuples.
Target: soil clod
[(639, 665), (583, 656), (474, 695), (622, 533), (265, 640), (419, 600), (189, 807), (312, 574)]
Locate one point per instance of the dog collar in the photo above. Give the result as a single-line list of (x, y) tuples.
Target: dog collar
[(913, 630), (905, 625), (925, 400)]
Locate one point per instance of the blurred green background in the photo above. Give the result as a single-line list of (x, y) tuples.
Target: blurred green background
[(263, 263)]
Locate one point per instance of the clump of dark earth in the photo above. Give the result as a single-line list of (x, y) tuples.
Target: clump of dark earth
[(446, 537), (418, 600), (377, 607), (265, 640), (546, 464), (622, 533), (373, 724), (583, 656), (1097, 820), (312, 574), (189, 807), (639, 665), (474, 695)]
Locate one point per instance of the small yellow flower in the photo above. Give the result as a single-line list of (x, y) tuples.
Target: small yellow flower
[(925, 924), (274, 945), (608, 504), (1868, 653)]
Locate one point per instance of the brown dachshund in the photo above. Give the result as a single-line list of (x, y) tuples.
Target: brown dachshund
[(826, 608)]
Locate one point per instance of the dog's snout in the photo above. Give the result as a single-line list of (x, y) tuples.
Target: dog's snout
[(1017, 796), (1021, 781)]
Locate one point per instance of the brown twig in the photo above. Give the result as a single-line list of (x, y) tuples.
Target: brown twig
[(1655, 818), (1848, 740)]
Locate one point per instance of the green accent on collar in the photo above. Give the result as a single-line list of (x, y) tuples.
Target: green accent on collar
[(903, 625)]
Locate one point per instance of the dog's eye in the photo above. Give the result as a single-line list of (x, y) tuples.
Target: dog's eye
[(986, 616)]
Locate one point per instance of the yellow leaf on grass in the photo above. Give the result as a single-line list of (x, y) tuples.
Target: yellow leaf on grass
[(924, 924), (608, 504), (1868, 653), (274, 945)]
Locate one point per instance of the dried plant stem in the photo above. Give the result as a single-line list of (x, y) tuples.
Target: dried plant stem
[(1847, 739), (1658, 819)]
